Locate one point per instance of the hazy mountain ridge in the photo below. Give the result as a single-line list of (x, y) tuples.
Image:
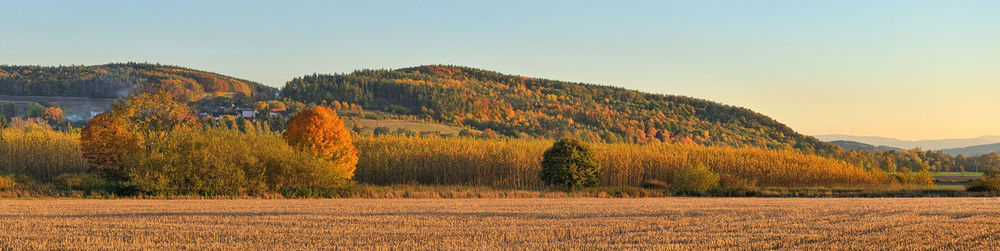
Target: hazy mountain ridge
[(974, 150), (858, 146), (936, 144)]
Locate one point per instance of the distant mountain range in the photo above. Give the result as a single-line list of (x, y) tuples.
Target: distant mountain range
[(968, 147), (936, 144), (973, 150), (854, 146)]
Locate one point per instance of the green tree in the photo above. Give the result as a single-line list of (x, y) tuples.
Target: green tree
[(34, 110), (381, 130), (570, 163), (8, 110), (695, 179)]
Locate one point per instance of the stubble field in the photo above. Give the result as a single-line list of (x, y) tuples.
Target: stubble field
[(577, 223)]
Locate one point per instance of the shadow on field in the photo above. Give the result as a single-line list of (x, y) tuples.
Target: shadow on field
[(163, 214), (531, 215)]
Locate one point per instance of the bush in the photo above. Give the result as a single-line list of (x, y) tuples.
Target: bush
[(907, 177), (7, 183), (990, 182), (985, 184), (732, 186), (220, 161), (78, 181), (654, 184), (570, 163), (695, 179)]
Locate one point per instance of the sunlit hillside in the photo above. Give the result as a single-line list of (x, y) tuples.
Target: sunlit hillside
[(118, 80)]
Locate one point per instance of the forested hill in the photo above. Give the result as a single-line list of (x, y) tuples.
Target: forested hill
[(117, 80), (523, 106)]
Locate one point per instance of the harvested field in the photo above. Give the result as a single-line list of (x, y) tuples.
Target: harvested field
[(660, 223)]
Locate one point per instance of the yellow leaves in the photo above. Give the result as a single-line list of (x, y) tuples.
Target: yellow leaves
[(515, 163), (275, 105), (260, 106), (33, 149), (153, 112)]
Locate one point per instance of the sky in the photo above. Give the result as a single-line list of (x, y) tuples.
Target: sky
[(907, 69)]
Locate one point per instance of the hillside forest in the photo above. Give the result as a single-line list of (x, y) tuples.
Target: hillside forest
[(182, 131)]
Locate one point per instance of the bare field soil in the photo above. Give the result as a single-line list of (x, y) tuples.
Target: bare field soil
[(573, 223)]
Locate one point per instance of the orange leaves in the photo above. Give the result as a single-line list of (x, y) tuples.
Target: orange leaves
[(320, 131), (53, 114), (212, 84), (105, 141)]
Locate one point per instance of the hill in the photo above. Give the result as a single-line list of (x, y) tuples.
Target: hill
[(973, 150), (935, 144), (118, 80), (533, 107), (858, 146)]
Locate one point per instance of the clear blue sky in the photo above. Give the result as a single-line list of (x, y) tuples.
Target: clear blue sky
[(908, 69)]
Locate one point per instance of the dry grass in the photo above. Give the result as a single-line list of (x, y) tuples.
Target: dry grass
[(664, 223)]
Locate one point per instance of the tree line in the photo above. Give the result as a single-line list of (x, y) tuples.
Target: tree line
[(119, 80)]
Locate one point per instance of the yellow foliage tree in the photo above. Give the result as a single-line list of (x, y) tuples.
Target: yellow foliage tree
[(320, 131), (276, 105), (154, 114), (260, 106)]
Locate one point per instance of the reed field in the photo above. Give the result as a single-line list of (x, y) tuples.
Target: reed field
[(39, 152), (386, 160), (571, 223)]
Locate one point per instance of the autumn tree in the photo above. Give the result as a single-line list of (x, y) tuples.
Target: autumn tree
[(154, 114), (105, 141), (296, 106), (276, 105), (320, 131), (53, 115), (570, 163), (260, 106)]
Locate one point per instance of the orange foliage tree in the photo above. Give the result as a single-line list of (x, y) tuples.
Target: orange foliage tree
[(53, 115), (105, 141), (320, 131)]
